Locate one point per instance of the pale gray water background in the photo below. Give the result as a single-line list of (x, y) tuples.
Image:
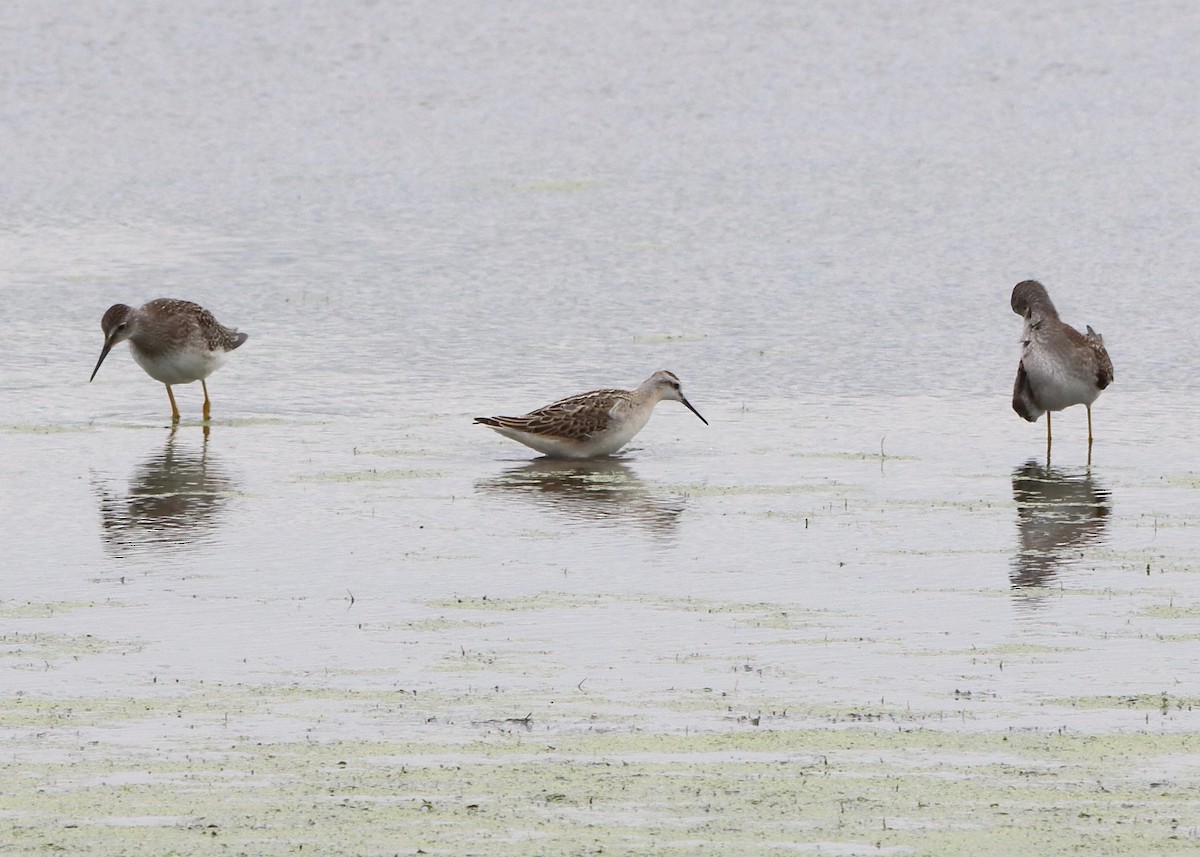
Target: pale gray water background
[(813, 214)]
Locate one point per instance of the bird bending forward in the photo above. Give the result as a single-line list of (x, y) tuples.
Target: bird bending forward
[(174, 341), (592, 424)]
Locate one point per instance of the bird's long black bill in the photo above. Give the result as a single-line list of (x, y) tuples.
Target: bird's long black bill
[(688, 405), (103, 353)]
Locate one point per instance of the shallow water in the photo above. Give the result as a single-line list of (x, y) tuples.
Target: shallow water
[(862, 583)]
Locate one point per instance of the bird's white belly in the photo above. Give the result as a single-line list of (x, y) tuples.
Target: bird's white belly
[(179, 367), (1057, 384), (620, 434)]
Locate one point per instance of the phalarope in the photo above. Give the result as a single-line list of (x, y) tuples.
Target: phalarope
[(176, 342), (1060, 366), (591, 424)]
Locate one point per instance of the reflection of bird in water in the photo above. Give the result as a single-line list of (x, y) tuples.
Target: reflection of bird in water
[(1057, 514), (603, 491), (173, 500)]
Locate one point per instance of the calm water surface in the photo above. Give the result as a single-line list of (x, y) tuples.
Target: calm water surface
[(813, 215)]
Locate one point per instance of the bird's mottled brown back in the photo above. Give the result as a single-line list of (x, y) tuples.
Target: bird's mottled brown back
[(576, 418), (182, 319), (1104, 367)]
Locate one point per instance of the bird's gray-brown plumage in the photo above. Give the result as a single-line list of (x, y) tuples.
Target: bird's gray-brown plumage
[(573, 418), (174, 341), (591, 424), (1059, 366), (170, 324)]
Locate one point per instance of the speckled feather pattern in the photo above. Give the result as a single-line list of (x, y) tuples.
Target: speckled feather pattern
[(575, 418), (174, 341), (591, 424), (166, 324)]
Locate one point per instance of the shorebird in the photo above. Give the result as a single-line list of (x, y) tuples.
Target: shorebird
[(1060, 366), (176, 342), (591, 424)]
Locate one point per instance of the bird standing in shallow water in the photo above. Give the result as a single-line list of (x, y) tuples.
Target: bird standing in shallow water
[(591, 424), (176, 342), (1060, 366)]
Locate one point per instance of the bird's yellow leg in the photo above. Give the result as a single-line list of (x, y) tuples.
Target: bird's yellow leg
[(1047, 438), (207, 403), (1089, 410), (174, 407)]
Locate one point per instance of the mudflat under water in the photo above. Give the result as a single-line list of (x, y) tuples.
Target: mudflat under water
[(861, 612)]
